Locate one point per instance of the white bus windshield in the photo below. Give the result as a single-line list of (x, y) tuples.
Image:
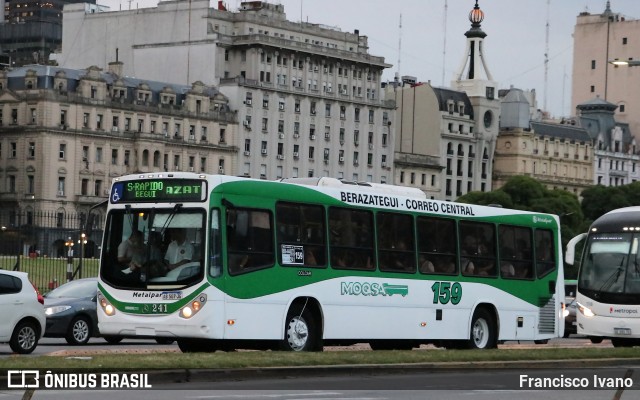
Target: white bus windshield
[(152, 247), (611, 264)]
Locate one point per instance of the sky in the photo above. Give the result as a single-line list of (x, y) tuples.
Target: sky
[(431, 43)]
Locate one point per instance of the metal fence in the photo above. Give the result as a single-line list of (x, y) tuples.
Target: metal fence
[(52, 247)]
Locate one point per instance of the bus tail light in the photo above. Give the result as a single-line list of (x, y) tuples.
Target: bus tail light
[(106, 306), (586, 311), (192, 308)]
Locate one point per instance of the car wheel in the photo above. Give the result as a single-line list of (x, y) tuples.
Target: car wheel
[(113, 339), (164, 341), (25, 337), (79, 331)]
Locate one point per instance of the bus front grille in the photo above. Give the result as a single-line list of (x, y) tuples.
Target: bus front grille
[(547, 318)]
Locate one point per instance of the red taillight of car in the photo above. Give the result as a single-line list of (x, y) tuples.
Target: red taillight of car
[(40, 297)]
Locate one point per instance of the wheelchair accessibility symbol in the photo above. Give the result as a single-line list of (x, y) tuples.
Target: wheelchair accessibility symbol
[(115, 193)]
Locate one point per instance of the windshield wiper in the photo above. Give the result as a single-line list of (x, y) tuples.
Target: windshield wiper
[(613, 278)]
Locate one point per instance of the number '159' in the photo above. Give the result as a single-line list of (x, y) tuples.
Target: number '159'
[(445, 292)]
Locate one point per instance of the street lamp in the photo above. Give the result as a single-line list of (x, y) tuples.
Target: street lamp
[(81, 242), (629, 63)]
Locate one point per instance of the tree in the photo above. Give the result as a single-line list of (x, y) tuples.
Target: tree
[(523, 190), (598, 200)]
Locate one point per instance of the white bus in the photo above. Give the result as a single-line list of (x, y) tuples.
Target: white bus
[(301, 263), (608, 292)]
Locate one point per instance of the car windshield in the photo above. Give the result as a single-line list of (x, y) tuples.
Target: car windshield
[(74, 289)]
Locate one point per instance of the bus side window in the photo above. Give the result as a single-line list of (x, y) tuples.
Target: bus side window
[(478, 249), (351, 239), (301, 227), (436, 245), (544, 246), (249, 240), (396, 249), (515, 252)]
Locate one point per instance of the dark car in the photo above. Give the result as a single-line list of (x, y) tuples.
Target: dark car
[(570, 287), (71, 311)]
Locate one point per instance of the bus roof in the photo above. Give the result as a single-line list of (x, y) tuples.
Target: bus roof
[(618, 220), (358, 186)]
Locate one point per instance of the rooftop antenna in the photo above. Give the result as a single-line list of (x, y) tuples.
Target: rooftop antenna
[(399, 43), (546, 59), (444, 45)]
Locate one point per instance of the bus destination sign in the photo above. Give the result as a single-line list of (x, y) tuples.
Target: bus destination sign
[(158, 191)]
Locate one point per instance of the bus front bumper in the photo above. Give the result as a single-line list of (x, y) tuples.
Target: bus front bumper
[(612, 327)]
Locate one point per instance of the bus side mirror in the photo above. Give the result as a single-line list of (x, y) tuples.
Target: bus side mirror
[(570, 255)]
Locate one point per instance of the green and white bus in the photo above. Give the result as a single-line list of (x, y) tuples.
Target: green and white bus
[(300, 263)]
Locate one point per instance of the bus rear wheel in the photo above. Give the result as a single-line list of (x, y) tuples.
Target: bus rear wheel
[(300, 331), (483, 333)]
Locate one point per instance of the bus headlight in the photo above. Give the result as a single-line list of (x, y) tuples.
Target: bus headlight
[(192, 308), (106, 306), (586, 311)]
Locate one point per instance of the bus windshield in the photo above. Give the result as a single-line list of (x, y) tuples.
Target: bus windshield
[(154, 247), (611, 264)]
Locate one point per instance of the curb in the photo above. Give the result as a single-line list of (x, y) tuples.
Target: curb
[(240, 374)]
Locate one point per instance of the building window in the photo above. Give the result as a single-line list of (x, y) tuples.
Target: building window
[(114, 157), (61, 182), (593, 64), (97, 188), (621, 108), (32, 150), (31, 185), (11, 183), (84, 187), (127, 154), (593, 89), (62, 150), (85, 153)]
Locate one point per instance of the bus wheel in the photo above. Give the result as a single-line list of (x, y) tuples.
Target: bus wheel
[(595, 339), (483, 331), (300, 331), (623, 342)]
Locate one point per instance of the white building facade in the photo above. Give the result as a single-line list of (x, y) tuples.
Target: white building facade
[(308, 97)]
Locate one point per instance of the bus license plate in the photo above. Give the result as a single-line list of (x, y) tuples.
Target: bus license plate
[(171, 295), (622, 331)]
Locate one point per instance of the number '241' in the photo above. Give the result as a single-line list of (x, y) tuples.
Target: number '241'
[(445, 292)]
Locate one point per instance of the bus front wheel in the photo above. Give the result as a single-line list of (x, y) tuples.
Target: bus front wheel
[(483, 331), (300, 331), (624, 342)]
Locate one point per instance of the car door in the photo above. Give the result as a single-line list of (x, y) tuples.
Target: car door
[(10, 301)]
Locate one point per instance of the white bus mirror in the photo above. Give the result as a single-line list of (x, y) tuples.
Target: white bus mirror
[(570, 255)]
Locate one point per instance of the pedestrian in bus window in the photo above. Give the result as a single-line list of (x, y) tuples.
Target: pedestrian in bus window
[(309, 257), (131, 251), (426, 266), (180, 251)]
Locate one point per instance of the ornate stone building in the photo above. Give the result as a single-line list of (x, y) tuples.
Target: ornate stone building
[(308, 96), (65, 133)]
